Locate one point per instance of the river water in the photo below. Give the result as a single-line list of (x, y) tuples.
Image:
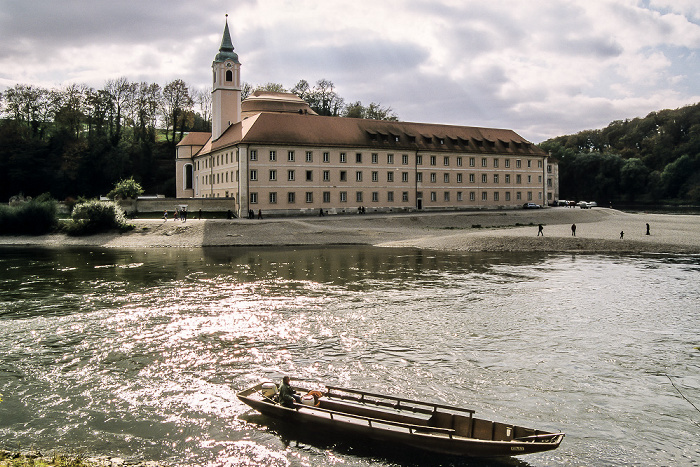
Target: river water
[(140, 353)]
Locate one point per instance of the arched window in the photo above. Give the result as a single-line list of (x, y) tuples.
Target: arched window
[(229, 75), (188, 176)]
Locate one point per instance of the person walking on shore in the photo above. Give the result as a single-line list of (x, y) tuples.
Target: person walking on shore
[(573, 230), (622, 234), (648, 233), (540, 230)]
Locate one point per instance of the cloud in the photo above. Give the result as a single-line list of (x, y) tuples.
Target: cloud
[(540, 68)]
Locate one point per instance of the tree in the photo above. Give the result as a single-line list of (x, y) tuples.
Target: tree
[(202, 98), (676, 173), (271, 87), (122, 93), (324, 100), (354, 110), (176, 101), (146, 103), (24, 104), (98, 107), (634, 177), (302, 89), (376, 112), (128, 188), (70, 103), (373, 111), (246, 90)]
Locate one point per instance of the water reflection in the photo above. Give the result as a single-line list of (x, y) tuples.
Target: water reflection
[(327, 445)]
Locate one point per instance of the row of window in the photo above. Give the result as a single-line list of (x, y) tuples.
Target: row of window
[(359, 196), (224, 177), (342, 157), (222, 159), (343, 176)]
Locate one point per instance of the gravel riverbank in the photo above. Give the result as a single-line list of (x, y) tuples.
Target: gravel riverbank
[(598, 230)]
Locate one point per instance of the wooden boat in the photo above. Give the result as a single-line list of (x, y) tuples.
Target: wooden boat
[(432, 427)]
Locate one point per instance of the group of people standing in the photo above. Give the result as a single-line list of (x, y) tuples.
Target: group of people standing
[(179, 214), (540, 231)]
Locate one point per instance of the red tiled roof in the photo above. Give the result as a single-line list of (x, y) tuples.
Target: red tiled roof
[(195, 138), (314, 130)]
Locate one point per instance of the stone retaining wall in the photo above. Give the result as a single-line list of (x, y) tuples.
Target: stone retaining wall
[(158, 205)]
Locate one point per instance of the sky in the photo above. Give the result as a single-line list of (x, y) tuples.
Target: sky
[(542, 68)]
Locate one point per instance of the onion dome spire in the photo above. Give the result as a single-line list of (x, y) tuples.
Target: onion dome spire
[(226, 49)]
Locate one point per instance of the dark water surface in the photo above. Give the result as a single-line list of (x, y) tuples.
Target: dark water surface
[(140, 353)]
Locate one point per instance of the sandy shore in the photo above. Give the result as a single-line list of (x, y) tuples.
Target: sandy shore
[(598, 230)]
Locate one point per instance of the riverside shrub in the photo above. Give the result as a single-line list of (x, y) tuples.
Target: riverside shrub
[(34, 217), (94, 216), (127, 188)]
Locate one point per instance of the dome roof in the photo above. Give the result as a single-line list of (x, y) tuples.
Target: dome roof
[(279, 102)]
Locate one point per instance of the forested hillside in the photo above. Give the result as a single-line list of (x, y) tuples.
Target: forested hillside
[(655, 159), (79, 141)]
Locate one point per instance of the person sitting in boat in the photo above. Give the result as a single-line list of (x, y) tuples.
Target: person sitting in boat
[(288, 396)]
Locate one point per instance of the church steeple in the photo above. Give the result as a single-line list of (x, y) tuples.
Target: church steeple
[(226, 49), (226, 88)]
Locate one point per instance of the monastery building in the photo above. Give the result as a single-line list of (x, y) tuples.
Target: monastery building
[(273, 153)]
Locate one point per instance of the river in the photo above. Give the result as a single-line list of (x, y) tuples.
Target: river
[(140, 353)]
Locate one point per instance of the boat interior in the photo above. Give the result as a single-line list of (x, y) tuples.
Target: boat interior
[(415, 416)]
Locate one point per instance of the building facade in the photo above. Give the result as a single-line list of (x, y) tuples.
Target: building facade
[(273, 153)]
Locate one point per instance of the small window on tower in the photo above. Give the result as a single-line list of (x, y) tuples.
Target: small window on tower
[(229, 75)]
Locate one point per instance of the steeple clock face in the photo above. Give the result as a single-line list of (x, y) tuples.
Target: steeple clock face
[(229, 65)]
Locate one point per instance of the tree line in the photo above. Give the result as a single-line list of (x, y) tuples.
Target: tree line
[(651, 160), (78, 141), (324, 100)]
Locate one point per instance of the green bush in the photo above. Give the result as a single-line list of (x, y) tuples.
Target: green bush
[(127, 188), (33, 217), (94, 216)]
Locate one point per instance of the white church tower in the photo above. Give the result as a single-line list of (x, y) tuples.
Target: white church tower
[(226, 93)]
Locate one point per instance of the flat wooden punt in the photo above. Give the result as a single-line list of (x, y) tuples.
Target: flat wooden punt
[(433, 427)]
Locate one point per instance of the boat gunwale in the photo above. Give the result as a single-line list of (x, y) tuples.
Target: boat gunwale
[(399, 400), (544, 439)]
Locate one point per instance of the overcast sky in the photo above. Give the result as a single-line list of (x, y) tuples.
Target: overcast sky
[(542, 68)]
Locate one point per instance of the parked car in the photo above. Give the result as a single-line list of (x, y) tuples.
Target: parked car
[(583, 204), (592, 204), (531, 206)]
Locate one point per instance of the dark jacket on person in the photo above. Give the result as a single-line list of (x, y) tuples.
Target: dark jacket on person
[(287, 395)]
